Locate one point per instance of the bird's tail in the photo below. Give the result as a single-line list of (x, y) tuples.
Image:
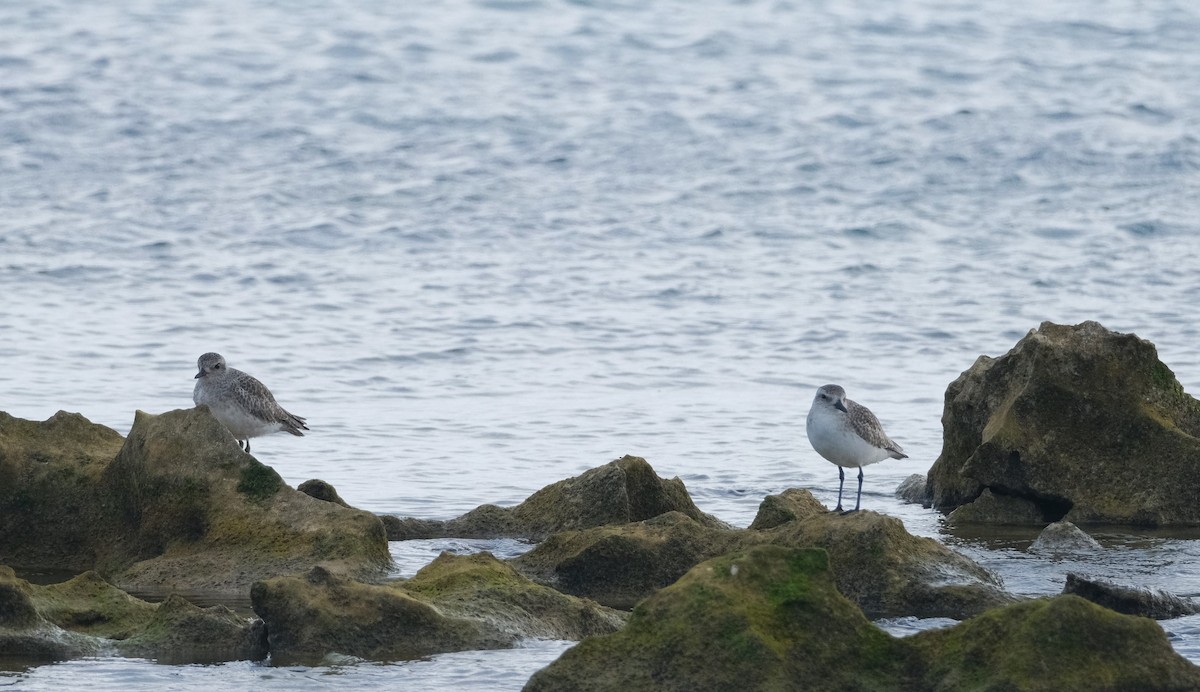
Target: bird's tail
[(294, 424)]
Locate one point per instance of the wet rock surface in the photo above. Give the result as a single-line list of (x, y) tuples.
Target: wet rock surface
[(1150, 603), (1063, 537), (1085, 423)]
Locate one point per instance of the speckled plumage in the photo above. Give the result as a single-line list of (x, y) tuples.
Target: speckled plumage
[(240, 402), (846, 433)]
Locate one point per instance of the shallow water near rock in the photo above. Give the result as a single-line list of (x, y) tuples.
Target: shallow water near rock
[(485, 246)]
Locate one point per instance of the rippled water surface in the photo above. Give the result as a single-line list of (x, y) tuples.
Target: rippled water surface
[(486, 245)]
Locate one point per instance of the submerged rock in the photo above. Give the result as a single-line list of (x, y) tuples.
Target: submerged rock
[(1150, 603), (771, 618), (622, 491), (766, 618), (877, 563), (453, 604), (1086, 424), (87, 616), (1062, 537), (176, 505)]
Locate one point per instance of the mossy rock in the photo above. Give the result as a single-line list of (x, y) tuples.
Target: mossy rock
[(48, 474), (87, 616), (1085, 423), (1061, 643), (767, 618), (318, 614), (620, 565), (175, 506), (790, 505), (622, 491)]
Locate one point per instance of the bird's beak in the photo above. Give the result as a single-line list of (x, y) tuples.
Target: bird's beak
[(199, 375), (838, 405)]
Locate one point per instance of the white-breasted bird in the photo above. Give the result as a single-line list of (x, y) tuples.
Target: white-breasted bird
[(847, 434), (240, 402)]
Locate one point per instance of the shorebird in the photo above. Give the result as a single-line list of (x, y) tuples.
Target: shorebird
[(240, 402), (846, 433)]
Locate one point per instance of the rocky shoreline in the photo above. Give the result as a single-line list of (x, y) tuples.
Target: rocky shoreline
[(662, 595)]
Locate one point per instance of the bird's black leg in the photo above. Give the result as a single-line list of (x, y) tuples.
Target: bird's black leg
[(858, 500), (841, 482), (859, 471)]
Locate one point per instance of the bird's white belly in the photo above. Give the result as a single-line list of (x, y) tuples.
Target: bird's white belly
[(839, 444)]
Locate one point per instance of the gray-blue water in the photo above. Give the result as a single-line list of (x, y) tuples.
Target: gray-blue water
[(484, 245)]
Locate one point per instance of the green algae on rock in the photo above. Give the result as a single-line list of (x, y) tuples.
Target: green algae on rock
[(1084, 423), (176, 505), (767, 618), (622, 491), (455, 603), (771, 618), (876, 562), (1060, 643), (87, 616)]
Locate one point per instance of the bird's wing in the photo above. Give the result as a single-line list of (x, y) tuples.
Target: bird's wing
[(868, 427)]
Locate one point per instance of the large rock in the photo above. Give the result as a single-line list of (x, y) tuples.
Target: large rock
[(176, 505), (876, 562), (1061, 643), (622, 491), (455, 603), (1082, 423), (767, 618), (771, 618), (87, 616)]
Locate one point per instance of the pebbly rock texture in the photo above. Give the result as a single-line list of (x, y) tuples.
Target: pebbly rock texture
[(87, 616), (767, 618), (622, 491), (771, 618), (1150, 603), (455, 603), (1063, 537), (176, 505), (876, 562), (1086, 424), (1061, 643)]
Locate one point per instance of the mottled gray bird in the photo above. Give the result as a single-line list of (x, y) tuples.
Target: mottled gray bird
[(847, 434), (240, 402)]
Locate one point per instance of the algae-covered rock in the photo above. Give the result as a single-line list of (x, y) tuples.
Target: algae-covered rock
[(790, 505), (889, 572), (622, 491), (1085, 423), (48, 475), (180, 632), (877, 563), (195, 513), (1061, 643), (176, 505), (320, 613), (480, 587), (771, 618), (87, 616), (321, 490), (1130, 600), (766, 618), (620, 565)]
